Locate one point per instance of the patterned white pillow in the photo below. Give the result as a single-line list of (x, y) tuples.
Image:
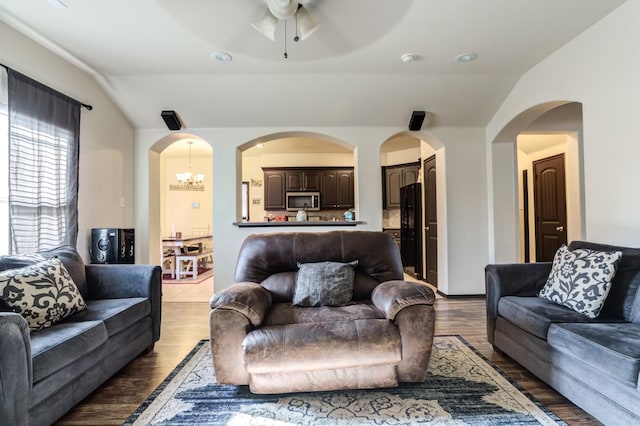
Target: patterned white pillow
[(43, 293), (581, 279)]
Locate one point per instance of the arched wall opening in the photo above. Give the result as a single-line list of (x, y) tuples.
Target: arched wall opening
[(409, 148), (192, 214), (540, 132), (289, 150)]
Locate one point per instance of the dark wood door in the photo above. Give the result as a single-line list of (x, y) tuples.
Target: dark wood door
[(393, 182), (274, 192), (344, 189), (328, 195), (294, 180), (430, 221), (549, 193), (410, 175), (311, 180)]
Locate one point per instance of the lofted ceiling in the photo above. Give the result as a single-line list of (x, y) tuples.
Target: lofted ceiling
[(151, 55)]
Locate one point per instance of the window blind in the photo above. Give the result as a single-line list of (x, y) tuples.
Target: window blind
[(44, 128)]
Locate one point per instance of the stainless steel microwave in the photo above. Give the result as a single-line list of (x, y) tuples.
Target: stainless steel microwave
[(309, 201)]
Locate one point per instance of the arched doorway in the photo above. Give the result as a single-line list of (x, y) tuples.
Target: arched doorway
[(289, 151), (174, 209), (414, 163), (548, 131)]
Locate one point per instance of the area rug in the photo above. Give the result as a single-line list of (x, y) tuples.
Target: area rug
[(462, 388)]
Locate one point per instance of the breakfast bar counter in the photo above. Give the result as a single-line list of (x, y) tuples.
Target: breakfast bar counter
[(294, 223)]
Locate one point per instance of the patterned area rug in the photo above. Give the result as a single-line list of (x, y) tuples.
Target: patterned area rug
[(462, 388)]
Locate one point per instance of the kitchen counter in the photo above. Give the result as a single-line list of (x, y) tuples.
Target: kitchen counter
[(292, 223)]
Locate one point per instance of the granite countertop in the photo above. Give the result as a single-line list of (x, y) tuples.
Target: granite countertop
[(293, 223)]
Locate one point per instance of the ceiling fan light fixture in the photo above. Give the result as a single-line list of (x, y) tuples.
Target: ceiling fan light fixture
[(266, 26), (282, 9), (306, 24)]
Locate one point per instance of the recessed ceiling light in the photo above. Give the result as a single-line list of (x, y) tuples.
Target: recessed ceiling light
[(407, 58), (466, 57), (221, 56)]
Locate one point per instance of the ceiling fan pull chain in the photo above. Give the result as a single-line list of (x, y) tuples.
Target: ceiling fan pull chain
[(285, 39)]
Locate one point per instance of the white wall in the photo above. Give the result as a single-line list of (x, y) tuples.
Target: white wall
[(600, 69), (410, 155), (106, 137), (465, 223)]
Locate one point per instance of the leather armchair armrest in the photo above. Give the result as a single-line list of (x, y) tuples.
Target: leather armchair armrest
[(16, 369), (515, 279), (391, 297), (235, 310), (247, 298)]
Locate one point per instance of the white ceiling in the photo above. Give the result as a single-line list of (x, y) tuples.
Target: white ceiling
[(152, 55)]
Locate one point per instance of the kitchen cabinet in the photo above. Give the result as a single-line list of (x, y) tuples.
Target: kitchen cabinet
[(335, 186), (274, 190), (336, 190), (302, 180), (394, 178)]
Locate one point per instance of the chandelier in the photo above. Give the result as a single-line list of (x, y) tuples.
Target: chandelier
[(187, 181)]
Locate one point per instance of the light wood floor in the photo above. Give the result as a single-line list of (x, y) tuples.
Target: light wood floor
[(185, 322)]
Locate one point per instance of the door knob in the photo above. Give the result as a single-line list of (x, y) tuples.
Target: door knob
[(560, 228)]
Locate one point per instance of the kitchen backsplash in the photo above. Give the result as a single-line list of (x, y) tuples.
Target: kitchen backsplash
[(391, 218)]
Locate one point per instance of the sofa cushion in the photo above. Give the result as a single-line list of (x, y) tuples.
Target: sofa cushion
[(64, 343), (20, 260), (610, 348), (282, 285), (43, 293), (74, 264), (117, 314), (67, 254), (622, 301), (324, 283), (581, 279), (535, 314), (286, 313), (320, 346)]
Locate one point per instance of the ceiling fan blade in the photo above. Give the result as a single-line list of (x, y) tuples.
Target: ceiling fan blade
[(306, 24), (266, 25)]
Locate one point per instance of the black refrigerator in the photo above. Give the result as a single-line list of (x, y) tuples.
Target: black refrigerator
[(410, 229)]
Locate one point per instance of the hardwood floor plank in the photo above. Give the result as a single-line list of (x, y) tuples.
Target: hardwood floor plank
[(186, 323)]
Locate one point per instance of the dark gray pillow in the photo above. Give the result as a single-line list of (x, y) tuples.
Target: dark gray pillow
[(324, 284)]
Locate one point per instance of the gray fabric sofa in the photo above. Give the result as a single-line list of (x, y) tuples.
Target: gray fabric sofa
[(45, 373), (381, 337), (595, 363)]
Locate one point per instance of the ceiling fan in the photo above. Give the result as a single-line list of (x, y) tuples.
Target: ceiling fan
[(283, 10)]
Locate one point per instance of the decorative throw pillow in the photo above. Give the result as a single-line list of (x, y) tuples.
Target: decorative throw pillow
[(324, 284), (43, 293), (581, 279)]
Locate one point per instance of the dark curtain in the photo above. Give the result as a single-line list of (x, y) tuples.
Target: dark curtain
[(44, 135)]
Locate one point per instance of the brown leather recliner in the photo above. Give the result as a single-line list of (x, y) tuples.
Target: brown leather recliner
[(382, 337)]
